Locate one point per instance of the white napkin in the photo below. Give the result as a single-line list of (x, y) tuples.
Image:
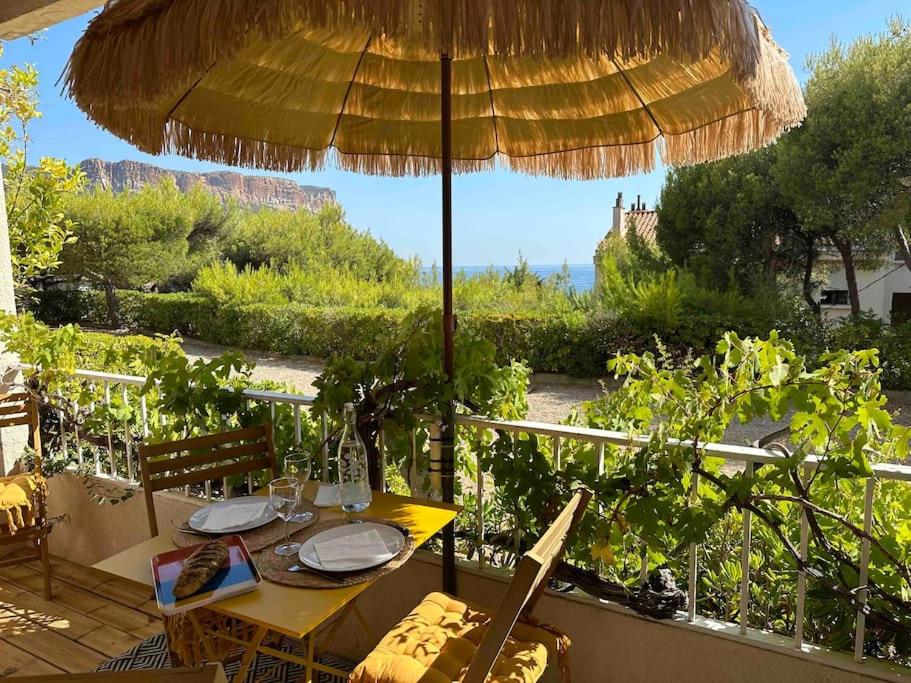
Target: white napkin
[(352, 551), (222, 517), (327, 496)]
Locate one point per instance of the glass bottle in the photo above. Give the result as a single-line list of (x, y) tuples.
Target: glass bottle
[(353, 473)]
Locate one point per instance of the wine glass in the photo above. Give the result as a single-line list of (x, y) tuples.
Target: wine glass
[(284, 494), (297, 466)]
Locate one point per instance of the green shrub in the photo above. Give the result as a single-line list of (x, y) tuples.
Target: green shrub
[(224, 284), (122, 354), (571, 343)]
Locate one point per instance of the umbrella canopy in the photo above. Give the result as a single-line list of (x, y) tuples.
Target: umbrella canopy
[(568, 88), (572, 88)]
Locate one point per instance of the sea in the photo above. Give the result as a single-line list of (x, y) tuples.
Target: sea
[(581, 275)]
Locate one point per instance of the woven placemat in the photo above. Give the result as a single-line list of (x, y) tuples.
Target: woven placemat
[(265, 536), (275, 567)]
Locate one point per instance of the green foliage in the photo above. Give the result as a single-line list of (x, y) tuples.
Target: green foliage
[(835, 409), (38, 228), (327, 286), (845, 164), (406, 379), (130, 239), (181, 398), (312, 240), (728, 220), (675, 306), (226, 286)]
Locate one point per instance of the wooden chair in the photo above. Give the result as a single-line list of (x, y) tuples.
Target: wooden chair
[(445, 639), (199, 459), (25, 491)]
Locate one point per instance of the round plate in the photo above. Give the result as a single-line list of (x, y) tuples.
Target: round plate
[(198, 519), (391, 536)]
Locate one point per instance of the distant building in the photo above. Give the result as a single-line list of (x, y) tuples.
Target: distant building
[(639, 218), (884, 291)]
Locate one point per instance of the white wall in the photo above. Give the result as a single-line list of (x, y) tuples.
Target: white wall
[(876, 288)]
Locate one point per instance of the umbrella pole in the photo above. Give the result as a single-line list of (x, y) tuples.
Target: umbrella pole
[(447, 464)]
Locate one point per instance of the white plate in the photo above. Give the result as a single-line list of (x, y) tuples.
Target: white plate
[(392, 537), (198, 519)]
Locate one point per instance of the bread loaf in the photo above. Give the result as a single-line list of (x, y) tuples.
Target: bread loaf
[(199, 568)]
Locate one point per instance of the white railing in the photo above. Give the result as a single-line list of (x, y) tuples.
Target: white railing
[(559, 436)]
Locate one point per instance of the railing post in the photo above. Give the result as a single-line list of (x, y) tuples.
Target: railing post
[(693, 564), (127, 436), (558, 455), (61, 418), (297, 425), (479, 516), (864, 570), (802, 577), (382, 447), (324, 439), (107, 403), (745, 562)]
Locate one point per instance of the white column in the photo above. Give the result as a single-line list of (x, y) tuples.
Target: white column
[(12, 440)]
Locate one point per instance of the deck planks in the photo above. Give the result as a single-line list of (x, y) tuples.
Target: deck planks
[(92, 618)]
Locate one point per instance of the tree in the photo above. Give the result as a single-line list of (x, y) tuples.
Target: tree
[(846, 163), (128, 240), (313, 239), (38, 228), (728, 220)]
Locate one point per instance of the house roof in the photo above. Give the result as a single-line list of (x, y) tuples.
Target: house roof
[(646, 223), (646, 226)]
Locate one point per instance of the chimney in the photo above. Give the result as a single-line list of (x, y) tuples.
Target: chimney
[(638, 206), (619, 215)]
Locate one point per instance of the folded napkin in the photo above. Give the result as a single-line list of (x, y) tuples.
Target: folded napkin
[(345, 553), (226, 517), (327, 496)]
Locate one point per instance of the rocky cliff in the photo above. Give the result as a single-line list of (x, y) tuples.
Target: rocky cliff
[(249, 190)]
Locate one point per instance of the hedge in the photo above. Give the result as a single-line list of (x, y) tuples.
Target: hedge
[(572, 344)]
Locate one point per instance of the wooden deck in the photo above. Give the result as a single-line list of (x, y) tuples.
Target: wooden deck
[(92, 618)]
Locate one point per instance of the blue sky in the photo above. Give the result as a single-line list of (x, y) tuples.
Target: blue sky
[(497, 214)]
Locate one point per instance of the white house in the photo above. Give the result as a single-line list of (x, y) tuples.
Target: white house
[(644, 221), (885, 291)]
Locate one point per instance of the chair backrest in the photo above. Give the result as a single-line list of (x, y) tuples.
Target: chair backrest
[(531, 577), (204, 458), (21, 408)]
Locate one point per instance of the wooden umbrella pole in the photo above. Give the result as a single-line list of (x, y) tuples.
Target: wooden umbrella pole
[(447, 444)]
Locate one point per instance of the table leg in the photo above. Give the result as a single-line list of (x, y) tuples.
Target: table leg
[(203, 638), (309, 672), (252, 647)]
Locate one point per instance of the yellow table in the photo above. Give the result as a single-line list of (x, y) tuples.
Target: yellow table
[(287, 610)]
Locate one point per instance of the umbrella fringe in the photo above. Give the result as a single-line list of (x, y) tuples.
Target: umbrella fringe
[(732, 135)]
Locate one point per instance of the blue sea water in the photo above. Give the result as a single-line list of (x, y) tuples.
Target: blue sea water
[(581, 275)]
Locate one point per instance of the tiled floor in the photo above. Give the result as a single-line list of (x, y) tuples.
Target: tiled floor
[(92, 617)]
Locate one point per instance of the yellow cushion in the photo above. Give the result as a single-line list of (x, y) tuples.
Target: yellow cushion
[(17, 492), (437, 641)]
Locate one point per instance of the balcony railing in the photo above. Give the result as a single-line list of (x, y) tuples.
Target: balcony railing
[(559, 435)]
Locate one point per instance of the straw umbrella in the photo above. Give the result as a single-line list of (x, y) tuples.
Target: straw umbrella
[(576, 89)]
